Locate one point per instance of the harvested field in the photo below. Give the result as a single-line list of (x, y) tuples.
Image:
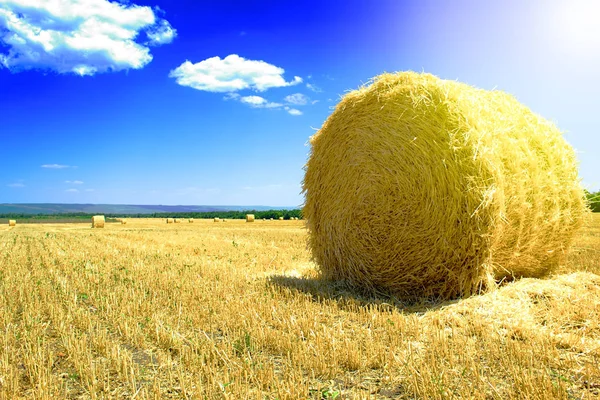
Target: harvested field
[(237, 311)]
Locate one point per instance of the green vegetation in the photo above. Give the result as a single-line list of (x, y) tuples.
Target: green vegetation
[(593, 199)]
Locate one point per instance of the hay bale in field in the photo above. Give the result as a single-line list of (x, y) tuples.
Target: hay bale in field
[(223, 220), (191, 220), (426, 187), (216, 220), (98, 221), (12, 222), (176, 220), (249, 217), (170, 220), (123, 222), (270, 219), (281, 218)]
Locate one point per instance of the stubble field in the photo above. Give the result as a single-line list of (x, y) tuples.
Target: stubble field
[(235, 310)]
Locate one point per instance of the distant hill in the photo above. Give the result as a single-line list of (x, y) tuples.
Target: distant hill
[(49, 208)]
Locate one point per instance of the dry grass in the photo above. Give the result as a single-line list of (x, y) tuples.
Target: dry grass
[(427, 187), (236, 311)]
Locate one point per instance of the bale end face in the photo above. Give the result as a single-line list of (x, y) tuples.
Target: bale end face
[(170, 220), (12, 222), (249, 217)]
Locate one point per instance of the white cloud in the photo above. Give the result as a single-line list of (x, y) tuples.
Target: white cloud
[(163, 33), (314, 88), (72, 191), (75, 182), (83, 37), (297, 98), (231, 74), (314, 102), (231, 96), (259, 102), (57, 166), (16, 185), (293, 111)]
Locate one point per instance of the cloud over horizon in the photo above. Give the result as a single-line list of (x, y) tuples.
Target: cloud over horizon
[(231, 74), (82, 37), (57, 166)]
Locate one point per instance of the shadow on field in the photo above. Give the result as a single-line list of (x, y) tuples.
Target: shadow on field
[(350, 298)]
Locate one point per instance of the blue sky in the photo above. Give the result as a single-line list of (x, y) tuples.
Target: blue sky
[(212, 102)]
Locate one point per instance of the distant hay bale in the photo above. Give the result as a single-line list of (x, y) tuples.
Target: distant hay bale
[(123, 222), (249, 217), (223, 220), (426, 187), (98, 221), (176, 220), (281, 218), (216, 220), (270, 219), (191, 220), (170, 220), (12, 222)]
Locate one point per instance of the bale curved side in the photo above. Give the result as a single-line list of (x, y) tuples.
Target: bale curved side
[(426, 187), (12, 222), (249, 217)]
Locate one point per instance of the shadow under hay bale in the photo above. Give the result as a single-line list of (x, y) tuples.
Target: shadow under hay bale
[(425, 187), (349, 296)]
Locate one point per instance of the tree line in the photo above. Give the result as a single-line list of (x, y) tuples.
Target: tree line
[(110, 217)]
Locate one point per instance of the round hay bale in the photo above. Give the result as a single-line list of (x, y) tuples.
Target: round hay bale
[(425, 187), (270, 219), (191, 220), (281, 218), (249, 217), (123, 222), (223, 220), (216, 220), (98, 221), (176, 220), (170, 220), (12, 222)]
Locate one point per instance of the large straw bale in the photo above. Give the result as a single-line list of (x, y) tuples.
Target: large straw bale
[(177, 220), (281, 218), (12, 222), (98, 221), (191, 220), (123, 222), (249, 217), (216, 220), (426, 187), (170, 220)]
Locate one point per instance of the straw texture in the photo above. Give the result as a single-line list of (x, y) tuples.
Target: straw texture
[(98, 221), (426, 187), (249, 217), (12, 222)]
